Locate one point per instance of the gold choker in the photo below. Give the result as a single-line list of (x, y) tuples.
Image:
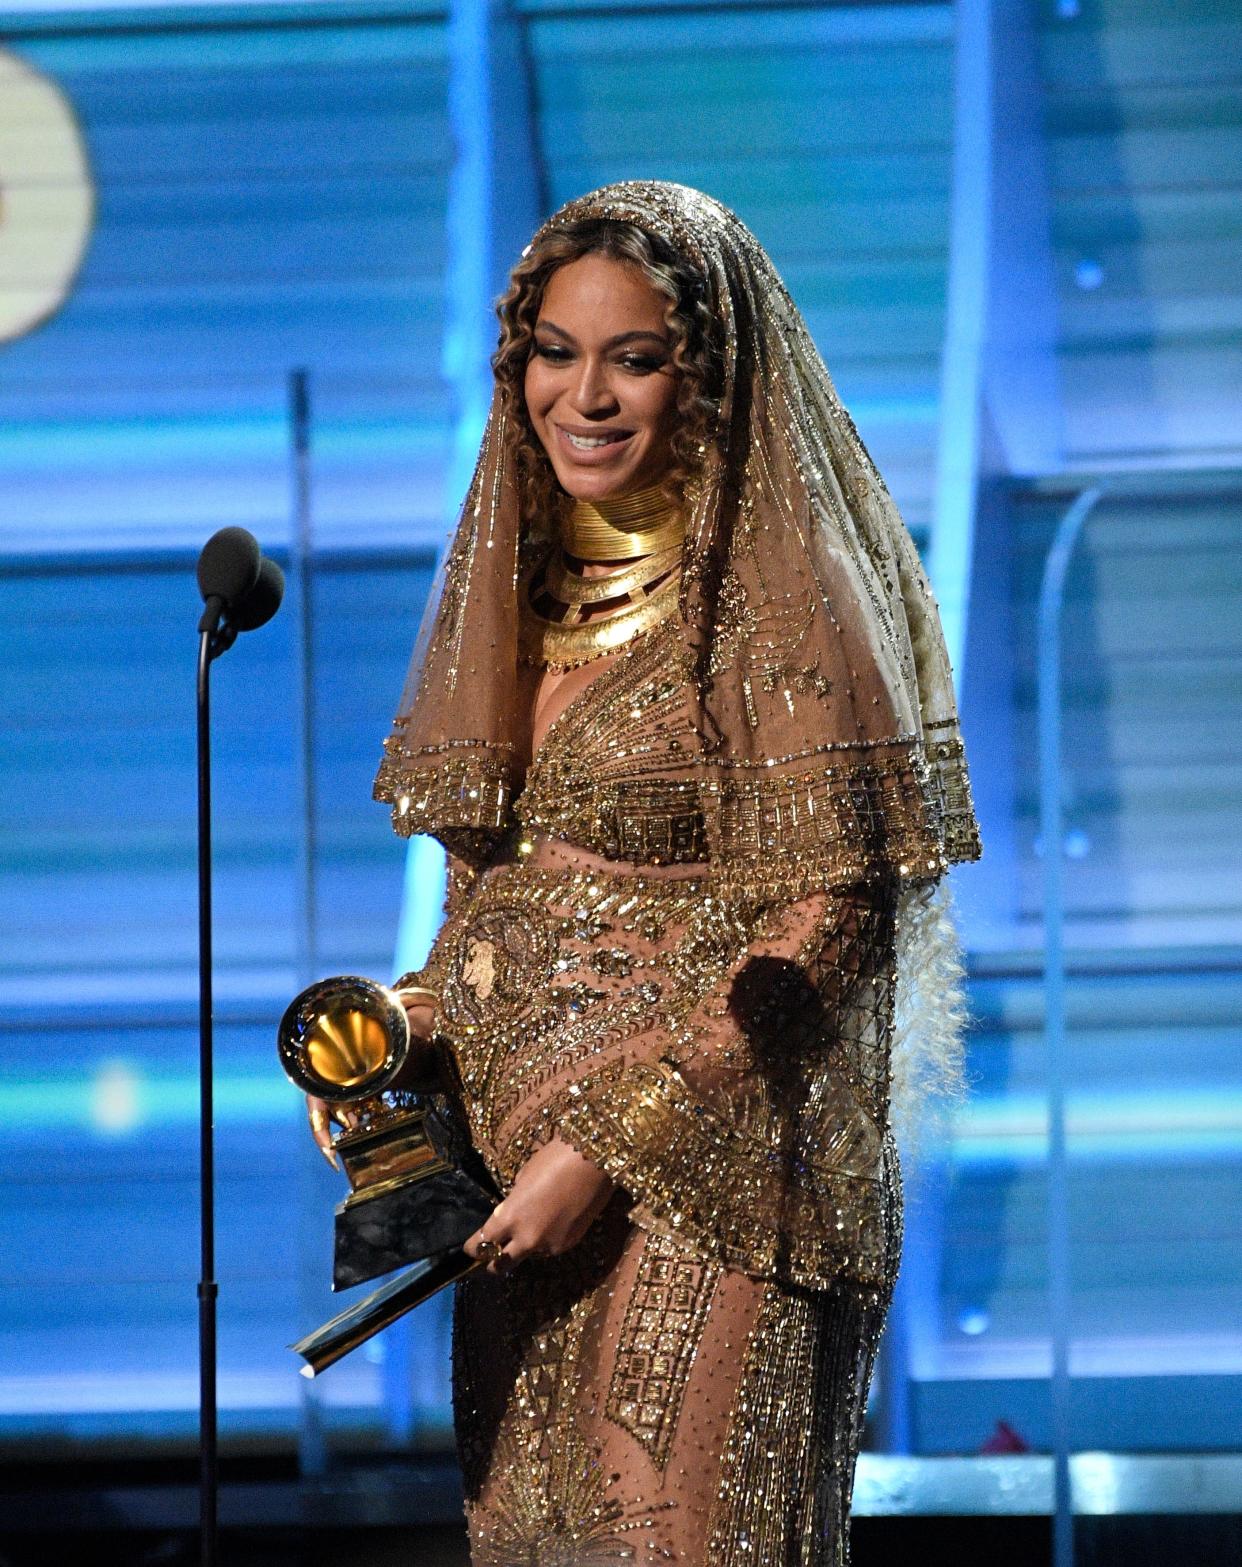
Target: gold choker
[(642, 523), (632, 581)]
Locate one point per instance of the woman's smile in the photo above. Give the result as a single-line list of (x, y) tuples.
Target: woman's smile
[(592, 445)]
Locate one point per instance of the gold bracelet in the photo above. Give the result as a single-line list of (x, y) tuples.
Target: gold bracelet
[(419, 994)]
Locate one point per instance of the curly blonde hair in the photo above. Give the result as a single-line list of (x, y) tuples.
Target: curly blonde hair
[(695, 334)]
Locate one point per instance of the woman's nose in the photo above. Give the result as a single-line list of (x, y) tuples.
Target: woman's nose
[(592, 393)]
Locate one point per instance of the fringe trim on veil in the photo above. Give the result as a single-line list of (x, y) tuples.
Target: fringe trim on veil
[(930, 1020)]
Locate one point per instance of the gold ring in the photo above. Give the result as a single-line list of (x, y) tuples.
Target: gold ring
[(491, 1251)]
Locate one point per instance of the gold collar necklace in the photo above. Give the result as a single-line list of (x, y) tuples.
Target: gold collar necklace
[(562, 645), (634, 580), (623, 528), (641, 529)]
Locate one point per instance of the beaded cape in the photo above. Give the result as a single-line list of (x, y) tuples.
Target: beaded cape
[(826, 746)]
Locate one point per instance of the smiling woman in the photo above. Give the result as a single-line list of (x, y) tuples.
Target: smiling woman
[(601, 387), (606, 342), (694, 777)]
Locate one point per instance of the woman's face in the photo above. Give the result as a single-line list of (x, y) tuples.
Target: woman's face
[(601, 386)]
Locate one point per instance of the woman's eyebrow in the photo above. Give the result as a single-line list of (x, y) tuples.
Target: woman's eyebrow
[(613, 342)]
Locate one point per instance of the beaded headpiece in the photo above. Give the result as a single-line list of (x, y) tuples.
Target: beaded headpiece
[(829, 742)]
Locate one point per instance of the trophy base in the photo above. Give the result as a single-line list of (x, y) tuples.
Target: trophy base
[(405, 1223)]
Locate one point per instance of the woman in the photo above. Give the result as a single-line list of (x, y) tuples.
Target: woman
[(682, 716)]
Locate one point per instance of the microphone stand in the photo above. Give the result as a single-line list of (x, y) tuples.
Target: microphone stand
[(241, 591), (213, 639)]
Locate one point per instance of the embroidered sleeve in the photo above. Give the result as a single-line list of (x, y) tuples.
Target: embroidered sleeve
[(757, 1128)]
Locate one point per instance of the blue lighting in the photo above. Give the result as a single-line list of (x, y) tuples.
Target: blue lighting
[(1088, 275), (1145, 1126), (120, 1100)]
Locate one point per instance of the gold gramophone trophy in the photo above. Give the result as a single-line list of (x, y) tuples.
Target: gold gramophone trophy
[(417, 1187)]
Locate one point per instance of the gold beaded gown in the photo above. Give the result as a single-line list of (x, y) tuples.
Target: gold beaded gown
[(688, 1384), (673, 944)]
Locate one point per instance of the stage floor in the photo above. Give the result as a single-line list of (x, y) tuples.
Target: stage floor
[(1134, 1511)]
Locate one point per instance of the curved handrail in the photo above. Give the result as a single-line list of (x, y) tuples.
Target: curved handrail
[(1048, 660)]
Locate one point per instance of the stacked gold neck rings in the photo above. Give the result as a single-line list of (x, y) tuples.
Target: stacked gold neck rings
[(571, 618), (628, 526)]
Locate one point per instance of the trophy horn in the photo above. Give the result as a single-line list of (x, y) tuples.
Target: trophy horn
[(344, 1039)]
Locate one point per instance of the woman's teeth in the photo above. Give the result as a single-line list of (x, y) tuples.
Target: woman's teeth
[(587, 443)]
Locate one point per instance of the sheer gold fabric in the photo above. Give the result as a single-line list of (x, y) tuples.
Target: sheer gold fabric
[(822, 695), (688, 1384)]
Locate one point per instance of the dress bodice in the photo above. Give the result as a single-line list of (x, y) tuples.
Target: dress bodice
[(614, 773), (622, 772)]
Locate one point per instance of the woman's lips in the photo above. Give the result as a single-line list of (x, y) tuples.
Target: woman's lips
[(598, 448)]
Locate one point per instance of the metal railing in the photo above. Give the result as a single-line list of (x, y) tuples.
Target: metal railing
[(1048, 662)]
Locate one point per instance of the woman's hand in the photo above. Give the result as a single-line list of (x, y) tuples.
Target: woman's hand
[(555, 1199), (419, 1074)]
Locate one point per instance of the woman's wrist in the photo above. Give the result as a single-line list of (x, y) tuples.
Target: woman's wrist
[(418, 998), (423, 1071)]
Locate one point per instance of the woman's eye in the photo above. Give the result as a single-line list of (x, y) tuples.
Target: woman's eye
[(553, 352), (642, 364)]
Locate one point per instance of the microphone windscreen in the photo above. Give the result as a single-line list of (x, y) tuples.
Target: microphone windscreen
[(263, 600), (228, 568)]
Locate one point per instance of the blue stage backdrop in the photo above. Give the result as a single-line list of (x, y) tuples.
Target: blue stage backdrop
[(197, 202)]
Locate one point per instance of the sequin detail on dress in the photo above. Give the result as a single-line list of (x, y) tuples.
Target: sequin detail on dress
[(726, 1062), (660, 1337)]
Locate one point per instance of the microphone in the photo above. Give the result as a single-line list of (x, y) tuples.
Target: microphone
[(241, 587), (229, 566), (241, 590), (258, 606)]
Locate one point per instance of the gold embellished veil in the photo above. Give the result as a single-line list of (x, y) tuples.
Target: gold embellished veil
[(830, 748)]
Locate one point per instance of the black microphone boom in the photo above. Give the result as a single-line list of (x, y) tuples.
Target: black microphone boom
[(241, 590)]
